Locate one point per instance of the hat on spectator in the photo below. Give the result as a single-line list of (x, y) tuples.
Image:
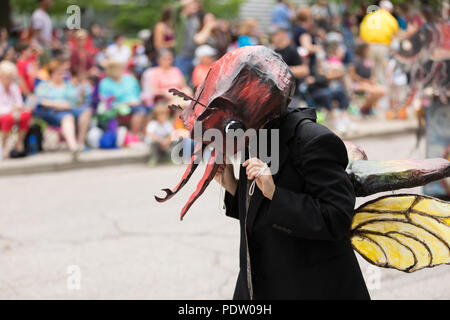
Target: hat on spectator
[(386, 4), (204, 51), (144, 34)]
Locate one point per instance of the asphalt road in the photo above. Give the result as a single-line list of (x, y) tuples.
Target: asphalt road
[(99, 234)]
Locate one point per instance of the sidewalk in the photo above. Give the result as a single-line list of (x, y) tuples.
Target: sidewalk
[(62, 161), (376, 127)]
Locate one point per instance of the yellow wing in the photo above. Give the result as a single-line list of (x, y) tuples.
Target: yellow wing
[(406, 232)]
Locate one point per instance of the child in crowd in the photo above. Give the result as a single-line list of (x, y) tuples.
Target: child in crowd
[(159, 134), (363, 78), (205, 55), (334, 71), (334, 67), (84, 87)]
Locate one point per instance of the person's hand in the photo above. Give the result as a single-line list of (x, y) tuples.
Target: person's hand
[(264, 181), (310, 79), (166, 142), (212, 24), (17, 108), (64, 105), (134, 103), (225, 177)]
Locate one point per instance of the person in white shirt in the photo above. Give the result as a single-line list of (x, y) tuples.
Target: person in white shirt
[(118, 51), (12, 109), (159, 134), (41, 24)]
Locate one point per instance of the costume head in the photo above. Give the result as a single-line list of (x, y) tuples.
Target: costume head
[(244, 89)]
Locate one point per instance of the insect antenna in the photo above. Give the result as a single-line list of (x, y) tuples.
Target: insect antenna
[(184, 96), (175, 107)]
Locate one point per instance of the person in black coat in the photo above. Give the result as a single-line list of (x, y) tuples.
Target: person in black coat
[(295, 227)]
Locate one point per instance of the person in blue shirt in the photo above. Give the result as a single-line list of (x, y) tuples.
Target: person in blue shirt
[(282, 15), (249, 33), (400, 13), (59, 106), (122, 91)]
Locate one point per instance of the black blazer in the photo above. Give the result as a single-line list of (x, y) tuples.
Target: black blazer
[(298, 242)]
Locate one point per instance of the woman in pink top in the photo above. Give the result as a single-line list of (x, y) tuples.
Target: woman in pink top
[(158, 80), (11, 107)]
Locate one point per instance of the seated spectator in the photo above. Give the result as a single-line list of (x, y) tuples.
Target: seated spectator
[(159, 134), (363, 78), (26, 67), (323, 96), (12, 109), (317, 88), (139, 61), (58, 105), (85, 88), (282, 45), (158, 80), (100, 58), (205, 55), (334, 71), (119, 51), (123, 92)]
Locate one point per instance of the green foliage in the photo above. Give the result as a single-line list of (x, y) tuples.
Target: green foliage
[(227, 9), (356, 3), (132, 15), (139, 14), (59, 6), (135, 15)]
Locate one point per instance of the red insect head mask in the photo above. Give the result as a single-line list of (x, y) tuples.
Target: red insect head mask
[(247, 87)]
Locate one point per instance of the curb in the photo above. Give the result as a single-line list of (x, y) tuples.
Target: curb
[(68, 164), (387, 133), (61, 161)]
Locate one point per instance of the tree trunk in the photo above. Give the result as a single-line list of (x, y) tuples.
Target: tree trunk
[(5, 14)]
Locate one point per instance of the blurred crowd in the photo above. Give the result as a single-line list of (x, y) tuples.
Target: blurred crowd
[(98, 91)]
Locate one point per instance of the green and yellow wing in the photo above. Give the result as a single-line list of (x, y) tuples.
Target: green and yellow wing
[(406, 232)]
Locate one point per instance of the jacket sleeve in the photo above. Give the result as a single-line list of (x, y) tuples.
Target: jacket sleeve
[(324, 210), (232, 204)]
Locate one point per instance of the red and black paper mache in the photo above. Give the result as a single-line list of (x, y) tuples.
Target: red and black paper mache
[(246, 88)]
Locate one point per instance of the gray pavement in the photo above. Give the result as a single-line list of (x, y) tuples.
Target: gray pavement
[(124, 245)]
